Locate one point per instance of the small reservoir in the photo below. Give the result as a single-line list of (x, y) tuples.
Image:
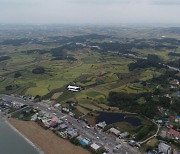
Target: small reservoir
[(111, 118)]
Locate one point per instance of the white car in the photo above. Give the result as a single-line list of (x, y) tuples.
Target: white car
[(87, 127), (54, 113)]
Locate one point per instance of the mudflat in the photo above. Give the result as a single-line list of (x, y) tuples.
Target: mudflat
[(46, 140)]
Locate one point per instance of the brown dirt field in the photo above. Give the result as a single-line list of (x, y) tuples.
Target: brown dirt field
[(91, 120), (46, 140), (56, 95)]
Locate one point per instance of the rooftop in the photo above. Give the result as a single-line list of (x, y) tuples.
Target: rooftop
[(95, 146), (63, 126), (174, 132), (164, 148), (84, 142), (101, 124), (115, 131)]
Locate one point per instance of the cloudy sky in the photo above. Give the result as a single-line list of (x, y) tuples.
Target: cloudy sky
[(89, 11)]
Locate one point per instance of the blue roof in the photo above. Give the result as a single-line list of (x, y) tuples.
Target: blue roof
[(84, 142), (166, 119), (70, 129)]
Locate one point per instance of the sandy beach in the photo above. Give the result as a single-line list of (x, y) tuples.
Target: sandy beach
[(46, 140)]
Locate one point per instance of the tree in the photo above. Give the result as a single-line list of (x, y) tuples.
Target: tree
[(17, 74), (38, 70)]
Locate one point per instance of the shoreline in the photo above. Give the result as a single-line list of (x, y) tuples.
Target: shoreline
[(44, 141), (24, 137)]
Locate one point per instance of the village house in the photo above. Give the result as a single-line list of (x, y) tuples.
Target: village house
[(114, 131), (62, 126), (95, 147), (159, 122), (57, 106), (174, 134), (72, 133), (71, 114), (53, 123), (84, 141), (123, 135), (62, 134), (177, 119), (160, 109), (101, 124), (164, 148), (65, 110)]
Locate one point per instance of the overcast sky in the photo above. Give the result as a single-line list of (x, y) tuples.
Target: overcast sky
[(89, 11)]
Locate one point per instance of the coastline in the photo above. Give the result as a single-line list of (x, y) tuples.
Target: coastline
[(24, 137), (44, 141)]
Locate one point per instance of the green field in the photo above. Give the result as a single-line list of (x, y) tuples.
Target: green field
[(97, 75), (97, 72)]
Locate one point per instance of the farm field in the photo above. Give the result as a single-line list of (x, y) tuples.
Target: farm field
[(61, 73), (120, 70), (97, 78), (96, 62)]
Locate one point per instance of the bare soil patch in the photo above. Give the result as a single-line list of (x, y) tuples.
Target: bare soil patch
[(56, 95)]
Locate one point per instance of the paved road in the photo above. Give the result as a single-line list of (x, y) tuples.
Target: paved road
[(95, 135)]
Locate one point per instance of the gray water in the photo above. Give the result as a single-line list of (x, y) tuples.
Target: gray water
[(12, 143), (111, 118)]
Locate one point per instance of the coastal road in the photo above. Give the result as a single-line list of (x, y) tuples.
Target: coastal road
[(97, 136)]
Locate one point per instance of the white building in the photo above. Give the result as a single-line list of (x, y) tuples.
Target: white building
[(95, 147), (114, 131), (123, 135), (73, 88), (101, 124), (164, 148)]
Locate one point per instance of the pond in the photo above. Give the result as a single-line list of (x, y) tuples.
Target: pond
[(111, 118)]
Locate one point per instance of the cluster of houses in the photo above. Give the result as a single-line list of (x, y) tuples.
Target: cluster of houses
[(58, 125), (120, 135), (7, 106), (174, 87), (163, 148), (170, 134), (61, 128), (84, 141), (167, 120), (169, 123), (116, 132)]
